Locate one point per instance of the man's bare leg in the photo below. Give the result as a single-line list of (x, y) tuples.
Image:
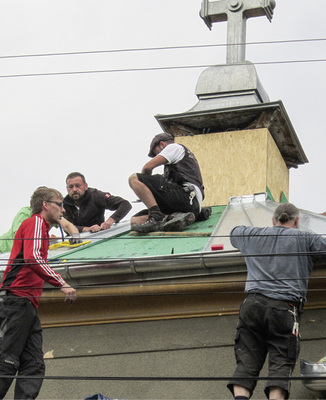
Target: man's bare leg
[(241, 391), (142, 191), (276, 393), (155, 218)]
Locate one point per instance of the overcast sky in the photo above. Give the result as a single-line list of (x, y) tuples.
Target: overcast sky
[(101, 123)]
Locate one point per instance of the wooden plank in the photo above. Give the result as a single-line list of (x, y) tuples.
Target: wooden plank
[(178, 234)]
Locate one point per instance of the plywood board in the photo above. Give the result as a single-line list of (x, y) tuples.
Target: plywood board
[(237, 163)]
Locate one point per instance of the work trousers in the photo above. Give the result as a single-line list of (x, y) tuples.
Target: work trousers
[(20, 347), (266, 326), (170, 196)]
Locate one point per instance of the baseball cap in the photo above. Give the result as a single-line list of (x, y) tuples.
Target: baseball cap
[(156, 140)]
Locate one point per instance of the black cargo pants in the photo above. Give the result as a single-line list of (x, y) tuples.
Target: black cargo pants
[(266, 326), (20, 347)]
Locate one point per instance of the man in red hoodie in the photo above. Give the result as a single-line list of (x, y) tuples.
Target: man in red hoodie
[(20, 291)]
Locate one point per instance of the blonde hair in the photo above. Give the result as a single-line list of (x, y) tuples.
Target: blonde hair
[(40, 195)]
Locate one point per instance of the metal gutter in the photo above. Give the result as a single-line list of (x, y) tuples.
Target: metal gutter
[(145, 268)]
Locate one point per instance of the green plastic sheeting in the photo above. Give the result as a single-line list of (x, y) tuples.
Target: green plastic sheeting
[(6, 240), (192, 240)]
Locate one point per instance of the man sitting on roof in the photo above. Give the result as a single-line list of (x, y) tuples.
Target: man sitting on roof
[(85, 207), (178, 193)]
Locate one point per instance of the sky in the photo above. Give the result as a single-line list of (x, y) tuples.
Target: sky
[(101, 123)]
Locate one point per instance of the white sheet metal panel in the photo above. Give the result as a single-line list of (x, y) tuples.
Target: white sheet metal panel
[(257, 210)]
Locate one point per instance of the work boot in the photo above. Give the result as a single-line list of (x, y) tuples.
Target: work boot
[(204, 214), (151, 225), (178, 221)]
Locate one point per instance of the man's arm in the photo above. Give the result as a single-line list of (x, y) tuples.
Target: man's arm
[(153, 163), (34, 252), (318, 245), (236, 236), (72, 230), (108, 223), (68, 226), (121, 207)]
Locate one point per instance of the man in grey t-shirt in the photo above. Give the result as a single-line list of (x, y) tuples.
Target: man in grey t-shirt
[(279, 263)]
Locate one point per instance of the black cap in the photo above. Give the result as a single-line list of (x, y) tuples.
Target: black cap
[(159, 137)]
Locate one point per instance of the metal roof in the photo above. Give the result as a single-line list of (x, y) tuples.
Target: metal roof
[(120, 255), (130, 257), (257, 210)]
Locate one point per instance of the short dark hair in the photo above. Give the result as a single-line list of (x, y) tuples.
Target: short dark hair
[(40, 195), (75, 175), (285, 212)]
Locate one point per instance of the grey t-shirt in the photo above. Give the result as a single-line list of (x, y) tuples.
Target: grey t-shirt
[(277, 260)]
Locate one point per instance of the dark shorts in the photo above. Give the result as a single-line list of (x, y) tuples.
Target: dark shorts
[(265, 327), (169, 196)]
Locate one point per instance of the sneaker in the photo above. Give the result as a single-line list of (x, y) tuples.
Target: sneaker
[(151, 225), (177, 221)]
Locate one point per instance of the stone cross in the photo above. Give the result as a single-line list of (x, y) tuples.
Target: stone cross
[(236, 13)]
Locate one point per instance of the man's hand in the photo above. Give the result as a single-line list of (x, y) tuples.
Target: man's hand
[(93, 228), (75, 239), (69, 292), (107, 224), (153, 163)]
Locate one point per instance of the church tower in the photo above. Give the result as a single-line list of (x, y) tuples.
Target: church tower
[(244, 143)]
